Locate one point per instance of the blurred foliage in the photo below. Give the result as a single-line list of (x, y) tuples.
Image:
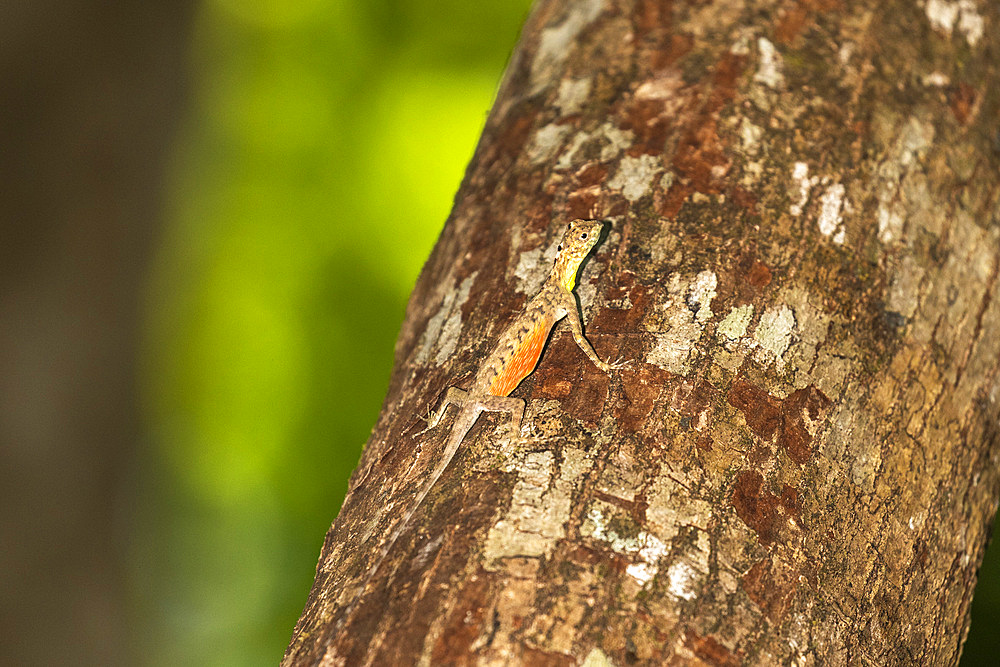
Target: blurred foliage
[(324, 144), (982, 646)]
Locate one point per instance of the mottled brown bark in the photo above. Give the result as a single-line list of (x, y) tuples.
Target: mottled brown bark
[(800, 466)]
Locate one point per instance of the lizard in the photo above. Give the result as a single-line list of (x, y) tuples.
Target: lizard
[(513, 358)]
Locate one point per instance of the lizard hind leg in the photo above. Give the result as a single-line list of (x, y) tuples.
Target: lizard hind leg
[(513, 406), (454, 396)]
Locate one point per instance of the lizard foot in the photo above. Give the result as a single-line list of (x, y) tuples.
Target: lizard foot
[(429, 422), (619, 363)]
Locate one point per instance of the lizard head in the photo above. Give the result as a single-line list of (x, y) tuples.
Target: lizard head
[(575, 246)]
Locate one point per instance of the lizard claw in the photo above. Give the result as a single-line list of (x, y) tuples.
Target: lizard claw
[(430, 422), (618, 363), (622, 362)]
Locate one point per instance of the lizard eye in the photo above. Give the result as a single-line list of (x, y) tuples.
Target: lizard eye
[(583, 236)]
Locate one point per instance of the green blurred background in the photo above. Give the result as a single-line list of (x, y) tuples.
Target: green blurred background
[(300, 160), (320, 155)]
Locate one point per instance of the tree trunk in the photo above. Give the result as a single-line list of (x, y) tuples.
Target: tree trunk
[(800, 466)]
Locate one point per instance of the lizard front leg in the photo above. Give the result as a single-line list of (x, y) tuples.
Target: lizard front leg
[(576, 326)]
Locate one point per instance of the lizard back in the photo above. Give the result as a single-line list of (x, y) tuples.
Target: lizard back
[(519, 351)]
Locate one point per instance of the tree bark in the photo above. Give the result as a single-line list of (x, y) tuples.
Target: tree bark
[(800, 466)]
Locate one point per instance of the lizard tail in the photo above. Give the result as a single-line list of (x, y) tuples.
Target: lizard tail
[(454, 440)]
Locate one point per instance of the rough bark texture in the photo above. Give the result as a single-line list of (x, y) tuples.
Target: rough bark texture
[(801, 465)]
